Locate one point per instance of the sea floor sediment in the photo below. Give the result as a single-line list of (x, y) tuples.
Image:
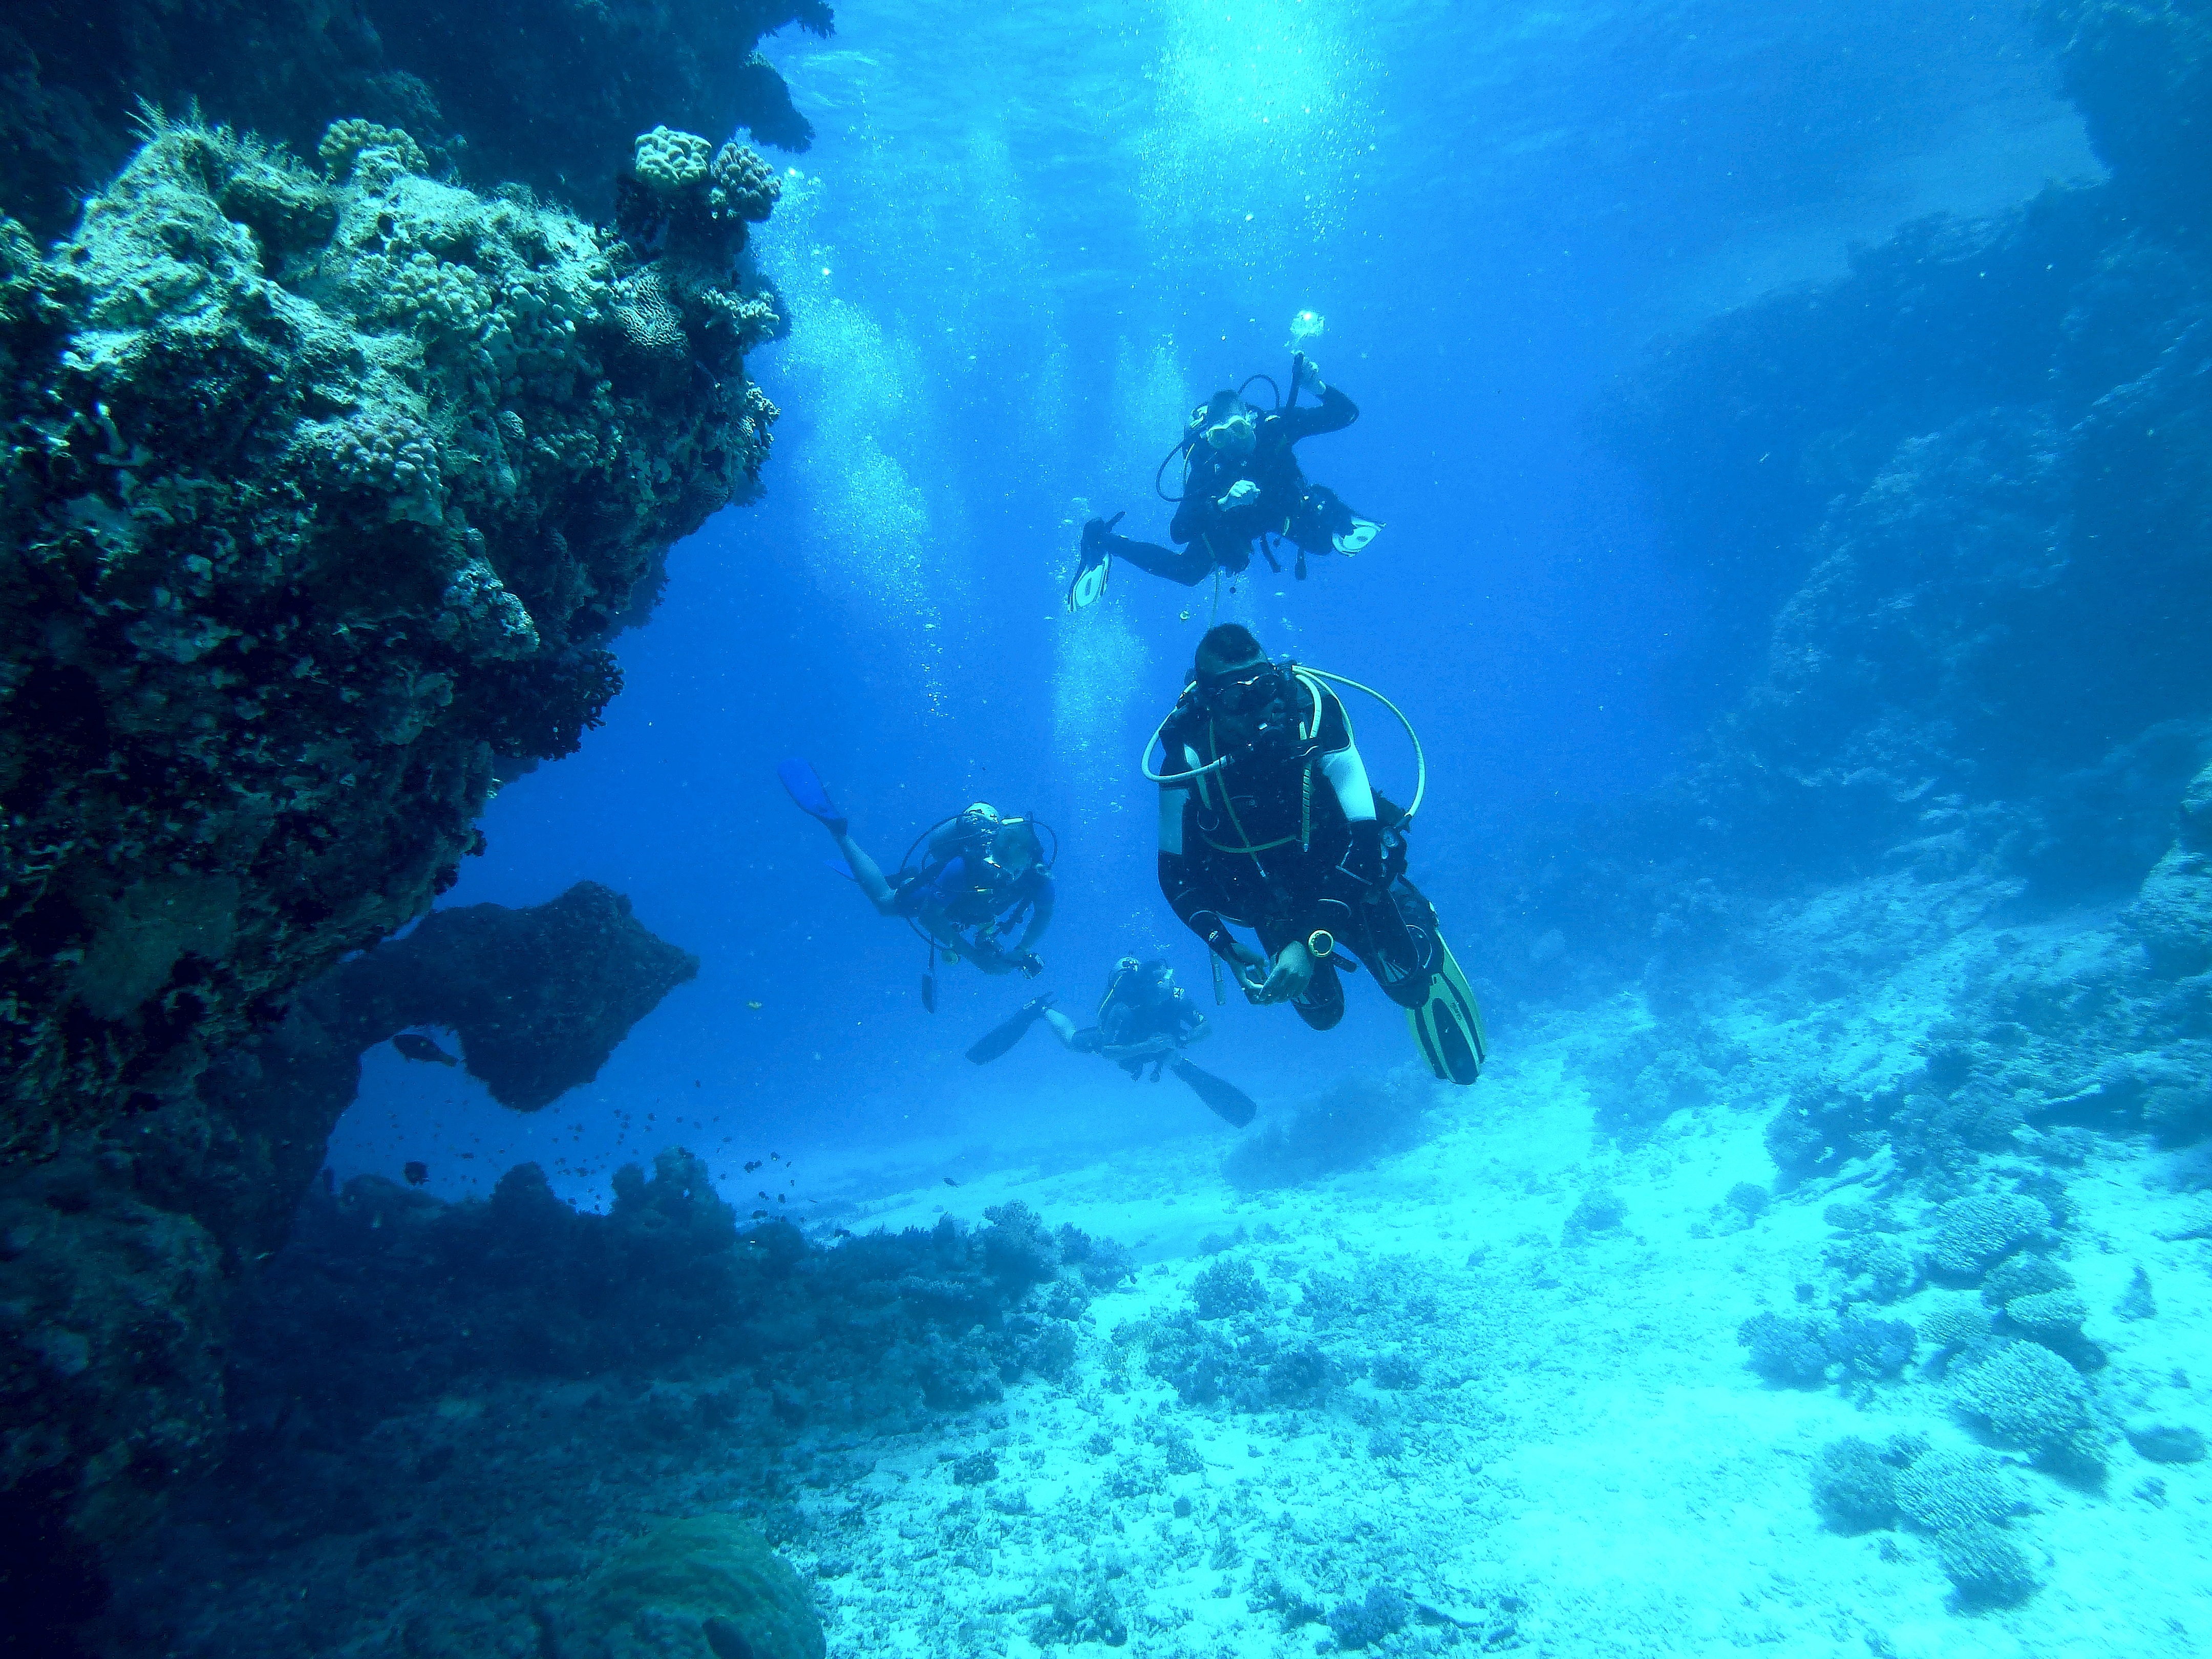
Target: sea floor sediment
[(1490, 1393)]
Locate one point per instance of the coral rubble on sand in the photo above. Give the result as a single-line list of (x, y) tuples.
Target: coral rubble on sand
[(410, 1372)]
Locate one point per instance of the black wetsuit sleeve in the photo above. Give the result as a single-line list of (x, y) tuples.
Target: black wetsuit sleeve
[(1333, 413), (1196, 512), (1192, 898)]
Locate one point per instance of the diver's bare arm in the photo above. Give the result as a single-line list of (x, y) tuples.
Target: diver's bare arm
[(869, 874)]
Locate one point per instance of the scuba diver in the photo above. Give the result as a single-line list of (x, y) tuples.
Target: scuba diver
[(979, 874), (1240, 483), (1267, 821), (1144, 1019)]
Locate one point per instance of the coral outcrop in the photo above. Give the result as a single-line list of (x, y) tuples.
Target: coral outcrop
[(549, 95), (539, 997), (326, 492)]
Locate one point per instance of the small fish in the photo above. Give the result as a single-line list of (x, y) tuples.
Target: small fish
[(421, 1047), (416, 1171), (764, 1197), (779, 1198), (753, 1005), (950, 1182), (841, 1232), (759, 1214), (752, 1164)]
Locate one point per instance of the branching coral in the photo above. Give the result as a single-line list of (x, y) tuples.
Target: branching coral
[(1941, 1490), (676, 194), (1973, 1234), (2031, 1398)]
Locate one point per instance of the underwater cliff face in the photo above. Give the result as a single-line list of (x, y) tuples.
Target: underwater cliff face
[(329, 491), (1952, 510), (328, 486)]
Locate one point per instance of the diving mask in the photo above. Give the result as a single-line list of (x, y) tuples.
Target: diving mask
[(1243, 688), (1233, 433)]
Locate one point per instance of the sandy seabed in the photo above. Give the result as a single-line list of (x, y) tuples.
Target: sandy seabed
[(1584, 1465)]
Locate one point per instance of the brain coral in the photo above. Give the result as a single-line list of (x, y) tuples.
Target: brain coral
[(326, 494), (703, 1588)]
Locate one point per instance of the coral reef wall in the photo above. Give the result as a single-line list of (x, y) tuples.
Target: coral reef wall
[(547, 95), (1953, 510), (327, 490), (327, 486)]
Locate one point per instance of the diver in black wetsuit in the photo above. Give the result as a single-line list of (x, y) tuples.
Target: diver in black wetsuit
[(979, 874), (1267, 821), (1241, 483), (1144, 1019)]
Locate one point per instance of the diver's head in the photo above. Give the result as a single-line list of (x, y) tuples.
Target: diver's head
[(1248, 696), (1014, 848), (1230, 425)]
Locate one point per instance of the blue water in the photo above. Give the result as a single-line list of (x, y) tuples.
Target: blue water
[(1019, 252)]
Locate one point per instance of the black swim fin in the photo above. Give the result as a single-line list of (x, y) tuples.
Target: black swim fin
[(1228, 1100), (1448, 1027), (801, 784), (1002, 1037), (1094, 565)]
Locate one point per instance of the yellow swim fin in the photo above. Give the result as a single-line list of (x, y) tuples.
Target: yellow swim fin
[(1448, 1027)]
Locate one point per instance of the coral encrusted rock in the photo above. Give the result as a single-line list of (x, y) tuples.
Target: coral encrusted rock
[(540, 997), (546, 95), (326, 496)]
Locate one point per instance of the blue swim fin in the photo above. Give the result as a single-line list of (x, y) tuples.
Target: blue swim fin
[(800, 783)]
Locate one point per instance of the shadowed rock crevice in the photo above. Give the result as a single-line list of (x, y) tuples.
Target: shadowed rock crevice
[(121, 1260)]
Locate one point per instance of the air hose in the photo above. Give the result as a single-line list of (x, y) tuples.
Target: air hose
[(1420, 758)]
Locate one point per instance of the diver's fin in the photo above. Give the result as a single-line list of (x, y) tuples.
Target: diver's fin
[(1094, 564), (839, 867), (1363, 531), (1226, 1099), (1448, 1027), (1002, 1037), (800, 783)]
